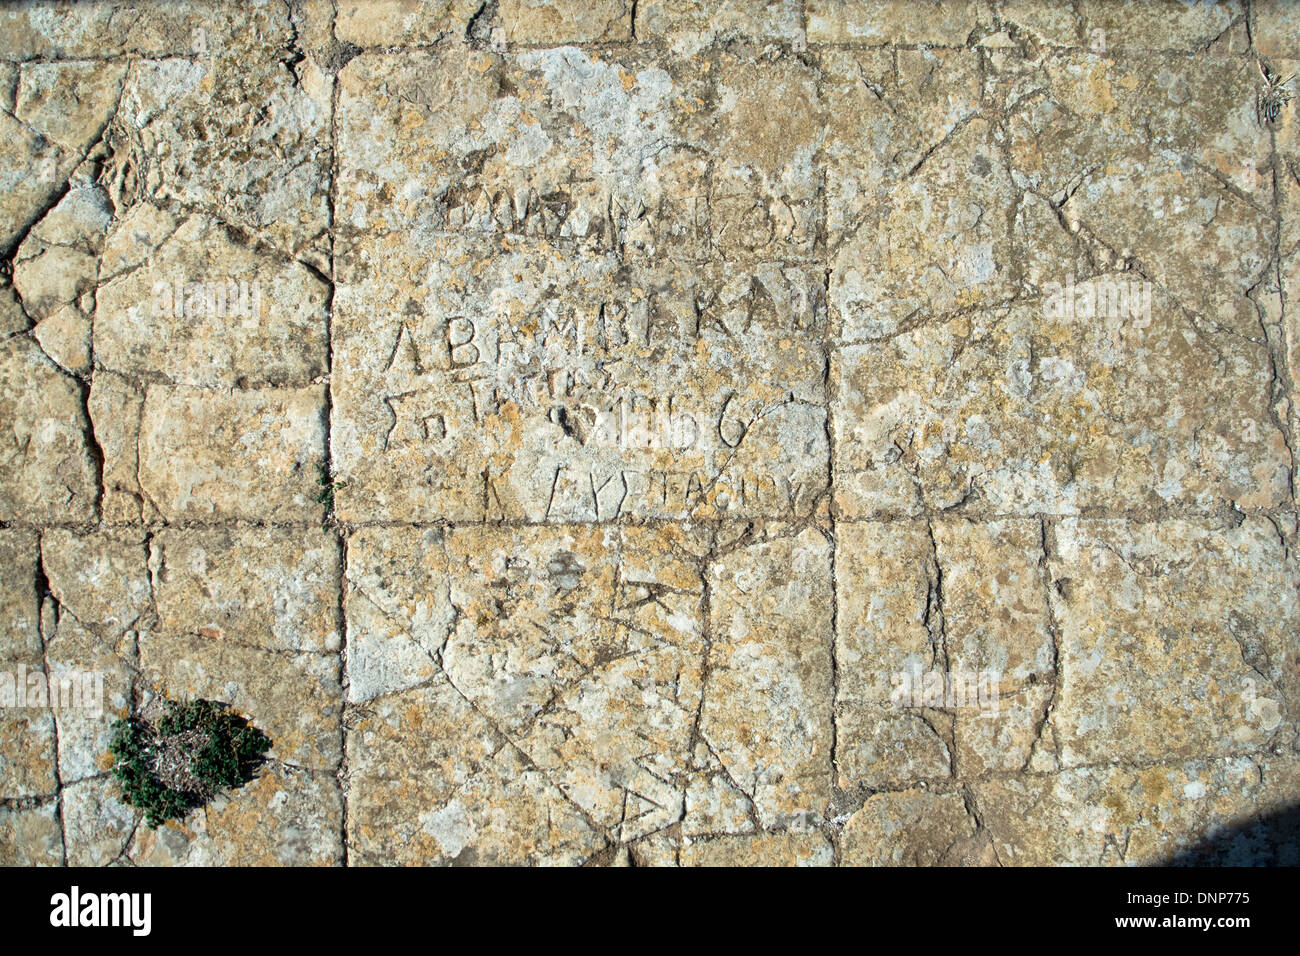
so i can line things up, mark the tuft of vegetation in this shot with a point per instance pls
(178, 762)
(1274, 98)
(326, 495)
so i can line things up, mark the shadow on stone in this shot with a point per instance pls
(1270, 840)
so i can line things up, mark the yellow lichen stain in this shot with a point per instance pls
(1102, 98)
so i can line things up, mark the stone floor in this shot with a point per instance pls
(657, 431)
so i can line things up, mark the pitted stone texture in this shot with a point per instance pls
(966, 601)
(56, 270)
(997, 624)
(889, 115)
(47, 472)
(90, 688)
(1108, 27)
(101, 579)
(1275, 28)
(551, 143)
(1145, 815)
(241, 136)
(30, 836)
(28, 757)
(880, 22)
(60, 111)
(910, 828)
(808, 848)
(294, 698)
(614, 152)
(206, 310)
(584, 649)
(767, 700)
(581, 646)
(12, 317)
(70, 29)
(431, 781)
(57, 266)
(20, 604)
(1142, 157)
(553, 22)
(1175, 640)
(641, 395)
(885, 577)
(27, 735)
(98, 825)
(99, 598)
(691, 25)
(1018, 411)
(383, 23)
(253, 454)
(115, 406)
(931, 248)
(285, 817)
(489, 378)
(262, 587)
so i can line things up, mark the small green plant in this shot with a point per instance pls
(328, 487)
(193, 750)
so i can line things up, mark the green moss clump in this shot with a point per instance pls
(194, 750)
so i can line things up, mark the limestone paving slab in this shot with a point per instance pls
(807, 432)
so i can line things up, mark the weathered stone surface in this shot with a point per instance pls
(92, 679)
(261, 587)
(285, 817)
(1107, 27)
(769, 849)
(98, 28)
(691, 25)
(1275, 28)
(655, 432)
(878, 22)
(245, 454)
(1141, 816)
(552, 22)
(27, 744)
(12, 317)
(295, 697)
(1011, 412)
(97, 824)
(382, 23)
(510, 381)
(579, 645)
(889, 117)
(911, 828)
(115, 406)
(432, 781)
(206, 310)
(237, 135)
(1176, 640)
(27, 738)
(464, 140)
(767, 701)
(885, 577)
(47, 472)
(30, 836)
(20, 605)
(59, 112)
(101, 579)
